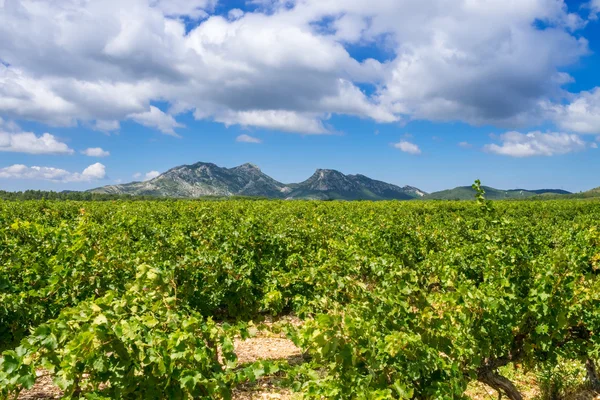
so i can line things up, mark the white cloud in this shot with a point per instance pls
(191, 8)
(285, 121)
(95, 152)
(408, 147)
(27, 142)
(18, 171)
(465, 145)
(155, 118)
(247, 139)
(235, 13)
(106, 126)
(536, 143)
(147, 176)
(94, 171)
(594, 9)
(151, 175)
(581, 115)
(285, 66)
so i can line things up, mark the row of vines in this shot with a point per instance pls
(398, 300)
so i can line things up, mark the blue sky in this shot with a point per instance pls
(432, 94)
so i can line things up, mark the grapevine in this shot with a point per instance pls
(144, 299)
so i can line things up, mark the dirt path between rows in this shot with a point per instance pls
(264, 346)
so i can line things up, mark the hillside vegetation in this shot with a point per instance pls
(468, 193)
(590, 194)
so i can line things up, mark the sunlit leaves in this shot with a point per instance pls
(399, 300)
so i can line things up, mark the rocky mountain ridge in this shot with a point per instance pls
(207, 179)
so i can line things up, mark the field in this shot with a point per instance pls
(355, 300)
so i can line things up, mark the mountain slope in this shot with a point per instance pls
(327, 184)
(548, 191)
(594, 192)
(206, 179)
(590, 194)
(467, 193)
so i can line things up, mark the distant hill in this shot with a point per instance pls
(594, 192)
(590, 194)
(467, 193)
(207, 179)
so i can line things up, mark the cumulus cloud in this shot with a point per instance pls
(235, 13)
(581, 115)
(94, 171)
(190, 8)
(106, 126)
(151, 175)
(155, 118)
(516, 144)
(407, 147)
(286, 66)
(96, 152)
(285, 121)
(465, 145)
(147, 176)
(594, 9)
(27, 142)
(247, 139)
(19, 171)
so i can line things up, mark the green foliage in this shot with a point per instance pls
(142, 344)
(74, 196)
(558, 380)
(399, 300)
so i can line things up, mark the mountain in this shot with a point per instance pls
(467, 193)
(328, 184)
(204, 179)
(207, 179)
(548, 191)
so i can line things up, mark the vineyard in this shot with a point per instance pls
(144, 300)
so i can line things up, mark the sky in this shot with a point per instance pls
(428, 93)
